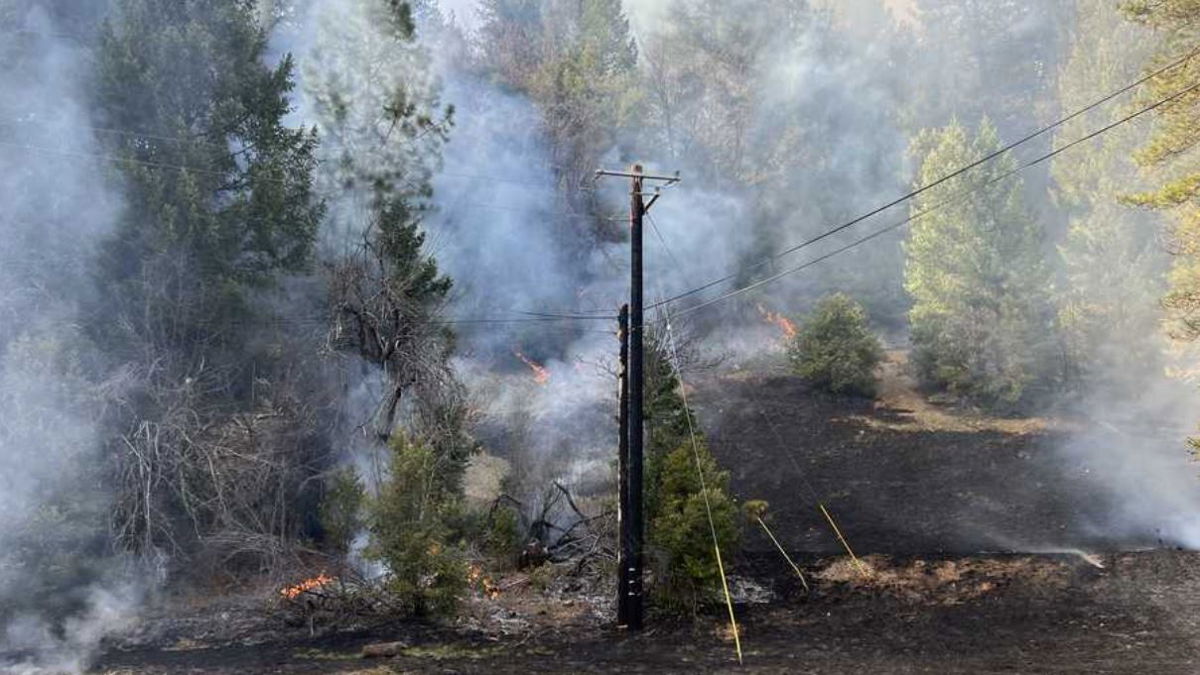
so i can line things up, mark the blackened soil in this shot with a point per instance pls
(897, 482)
(934, 503)
(1012, 614)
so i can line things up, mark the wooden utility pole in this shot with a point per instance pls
(625, 547)
(630, 604)
(637, 383)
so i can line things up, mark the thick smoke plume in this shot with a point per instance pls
(860, 77)
(61, 588)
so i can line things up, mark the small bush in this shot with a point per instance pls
(502, 538)
(687, 576)
(835, 350)
(408, 521)
(341, 510)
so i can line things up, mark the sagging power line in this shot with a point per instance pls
(912, 217)
(943, 179)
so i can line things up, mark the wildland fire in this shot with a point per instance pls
(580, 336)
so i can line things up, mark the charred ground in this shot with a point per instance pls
(947, 509)
(903, 475)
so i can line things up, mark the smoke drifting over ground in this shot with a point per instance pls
(1133, 449)
(514, 240)
(511, 242)
(60, 587)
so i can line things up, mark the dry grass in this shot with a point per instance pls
(898, 393)
(943, 581)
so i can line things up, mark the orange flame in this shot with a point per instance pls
(785, 324)
(540, 374)
(476, 577)
(293, 592)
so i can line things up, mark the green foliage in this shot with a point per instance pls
(729, 92)
(1008, 79)
(341, 510)
(541, 578)
(577, 61)
(1108, 308)
(835, 348)
(666, 418)
(755, 509)
(382, 131)
(1175, 25)
(681, 539)
(981, 322)
(56, 506)
(218, 192)
(678, 533)
(410, 535)
(503, 536)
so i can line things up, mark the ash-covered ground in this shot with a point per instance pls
(982, 550)
(902, 475)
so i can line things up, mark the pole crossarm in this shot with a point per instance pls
(669, 180)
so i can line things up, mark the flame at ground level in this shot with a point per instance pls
(541, 374)
(293, 592)
(785, 324)
(477, 578)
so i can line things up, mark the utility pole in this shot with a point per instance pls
(625, 547)
(637, 386)
(632, 528)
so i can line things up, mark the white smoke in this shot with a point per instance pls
(61, 590)
(511, 243)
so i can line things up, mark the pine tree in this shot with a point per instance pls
(218, 190)
(577, 61)
(835, 349)
(1114, 267)
(382, 127)
(218, 208)
(996, 57)
(678, 532)
(1169, 154)
(980, 322)
(764, 101)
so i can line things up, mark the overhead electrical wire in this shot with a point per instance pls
(804, 479)
(959, 197)
(949, 176)
(579, 316)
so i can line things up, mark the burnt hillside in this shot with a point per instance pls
(902, 475)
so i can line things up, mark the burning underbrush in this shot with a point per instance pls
(323, 602)
(786, 326)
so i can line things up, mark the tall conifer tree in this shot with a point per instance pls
(980, 319)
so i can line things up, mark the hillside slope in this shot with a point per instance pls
(902, 475)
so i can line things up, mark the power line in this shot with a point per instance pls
(196, 140)
(774, 430)
(527, 316)
(924, 188)
(179, 167)
(956, 198)
(453, 321)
